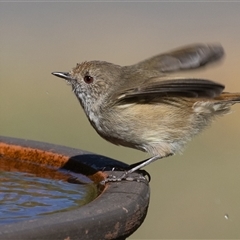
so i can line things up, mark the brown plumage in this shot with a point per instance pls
(142, 106)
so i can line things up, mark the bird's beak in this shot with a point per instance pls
(64, 75)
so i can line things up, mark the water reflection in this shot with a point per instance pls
(26, 195)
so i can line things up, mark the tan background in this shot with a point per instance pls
(190, 193)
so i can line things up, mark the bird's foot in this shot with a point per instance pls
(127, 177)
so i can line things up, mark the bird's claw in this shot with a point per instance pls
(124, 177)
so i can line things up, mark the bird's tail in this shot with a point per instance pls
(229, 97)
(218, 106)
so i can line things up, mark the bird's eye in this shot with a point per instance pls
(88, 79)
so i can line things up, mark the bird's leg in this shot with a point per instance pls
(134, 167)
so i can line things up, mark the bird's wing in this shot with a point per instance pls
(160, 87)
(185, 58)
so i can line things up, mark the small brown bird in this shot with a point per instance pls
(141, 107)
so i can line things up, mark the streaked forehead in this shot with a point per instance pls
(82, 67)
(90, 65)
(97, 69)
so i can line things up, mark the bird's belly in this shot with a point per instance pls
(150, 128)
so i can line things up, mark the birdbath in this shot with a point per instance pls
(112, 211)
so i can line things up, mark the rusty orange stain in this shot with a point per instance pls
(40, 157)
(33, 155)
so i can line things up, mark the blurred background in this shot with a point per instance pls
(193, 195)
